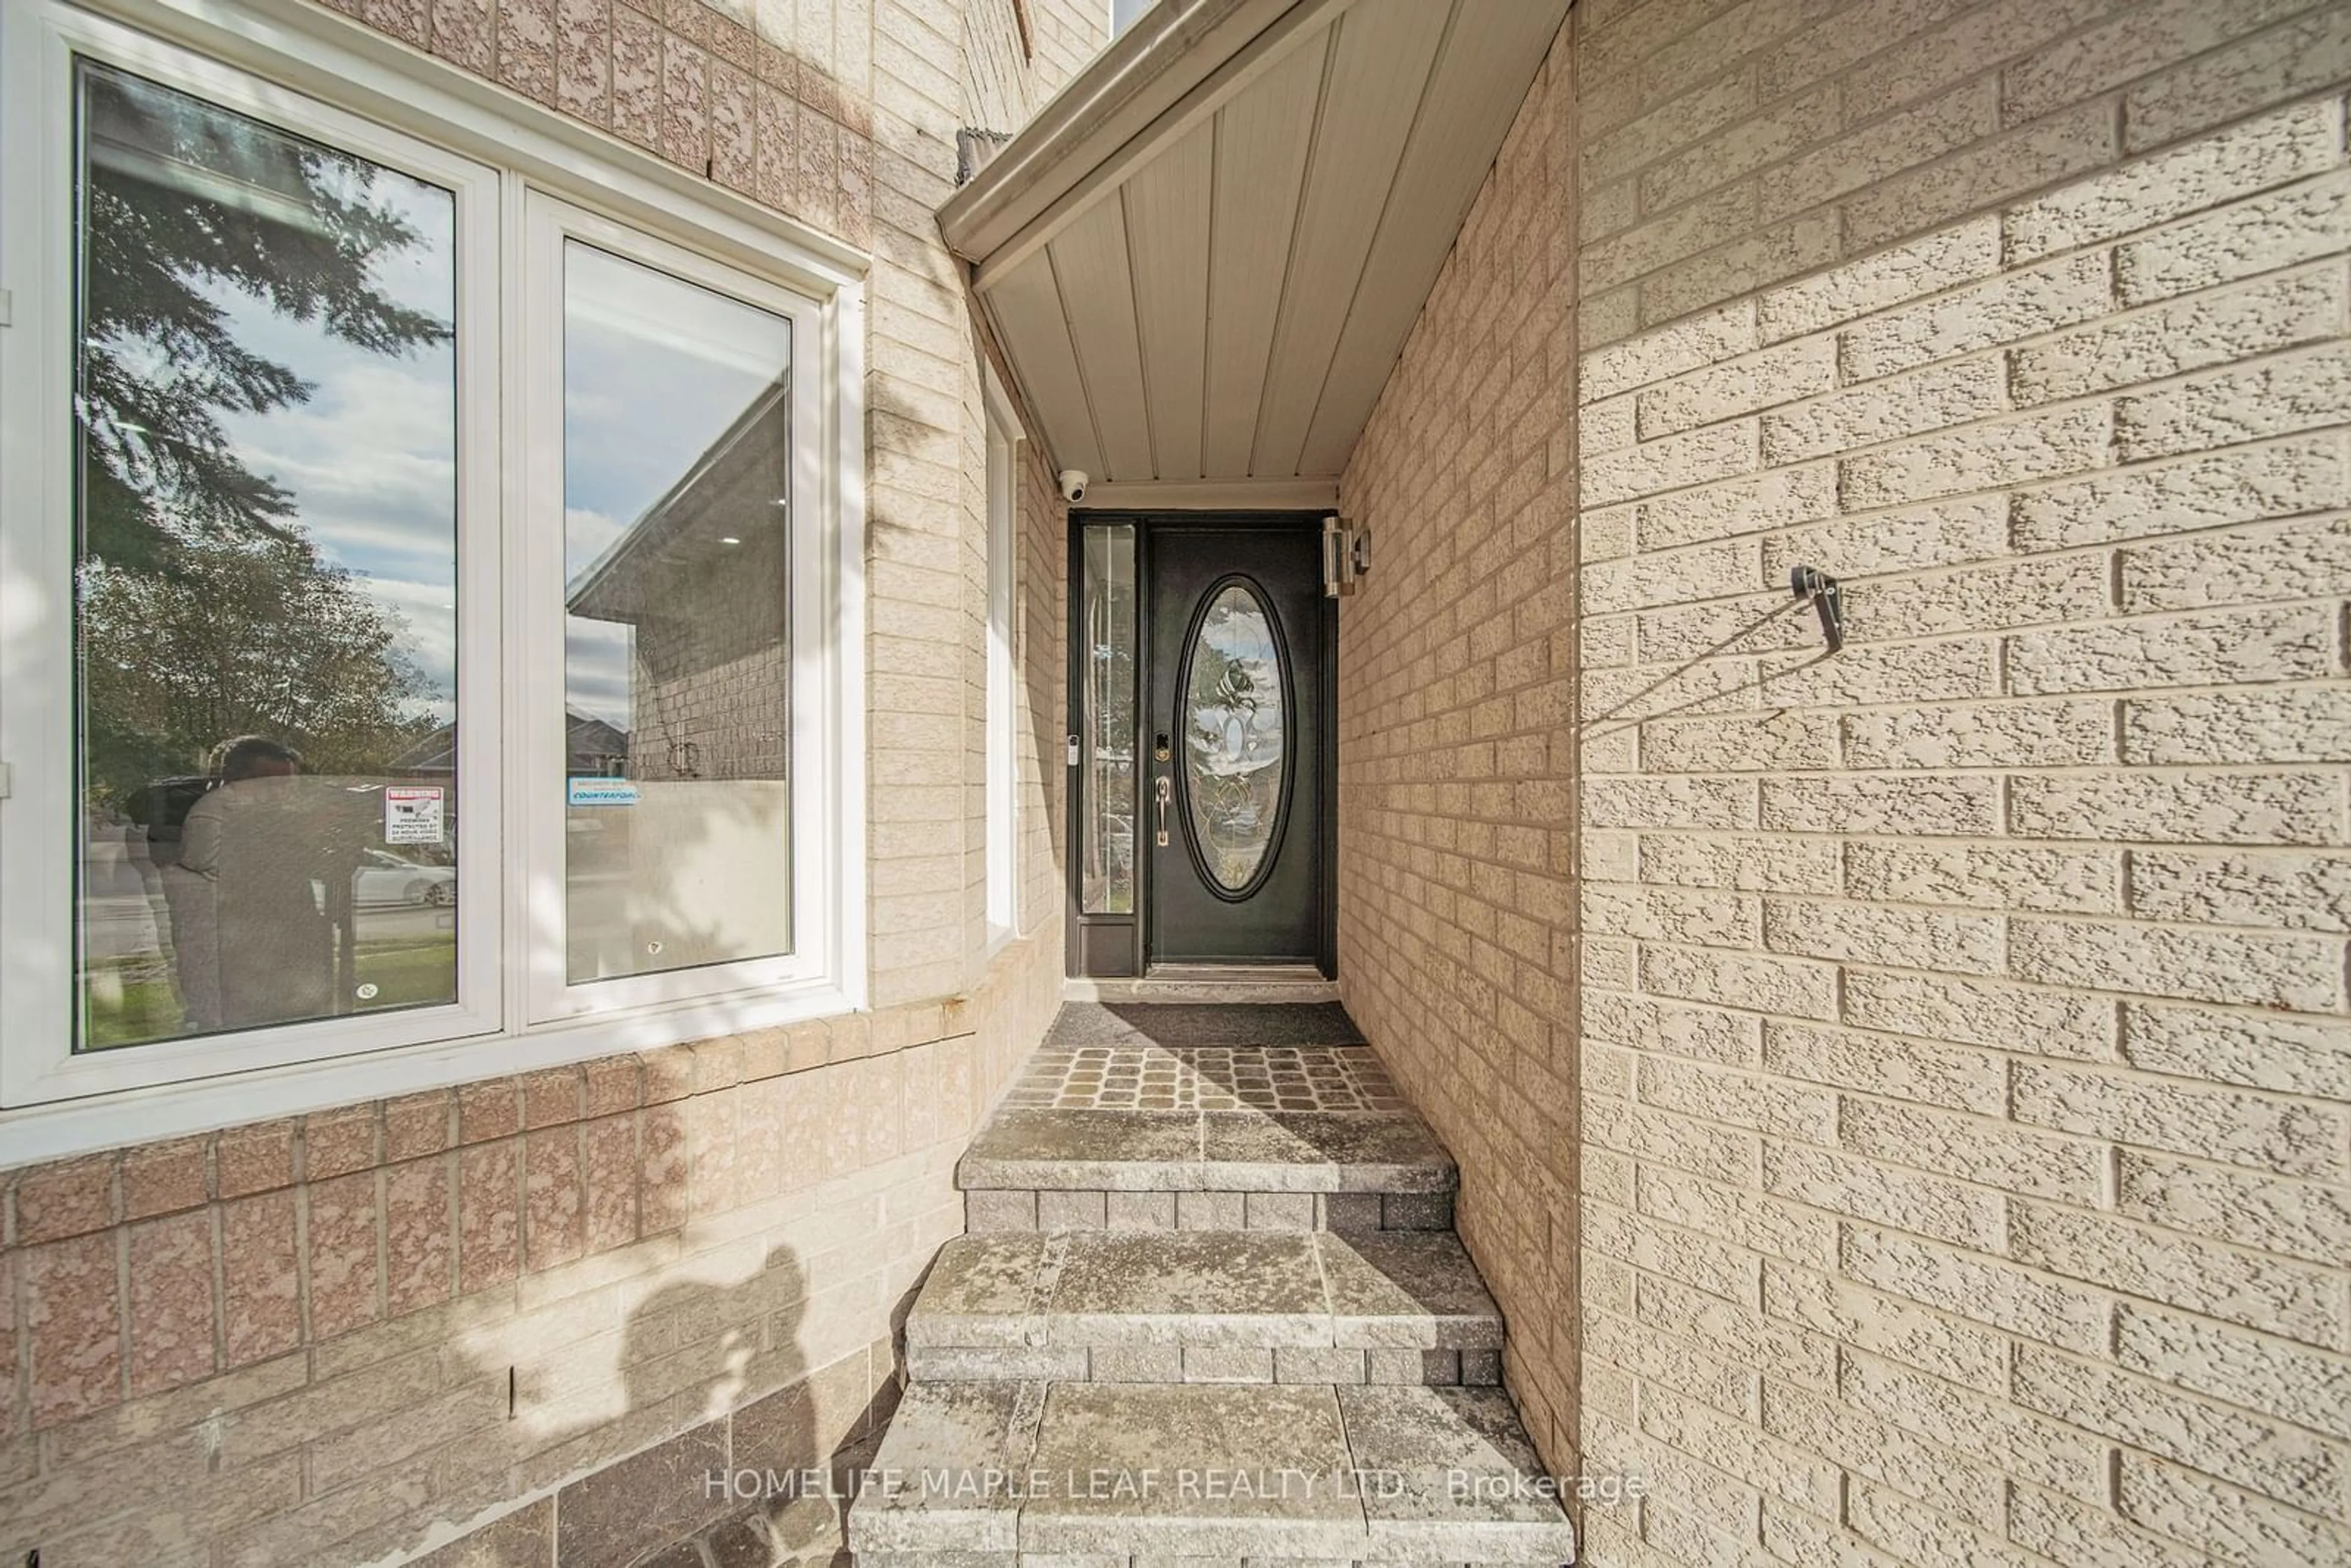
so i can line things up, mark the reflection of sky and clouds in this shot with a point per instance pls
(370, 459)
(654, 371)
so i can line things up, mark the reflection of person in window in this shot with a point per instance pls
(271, 949)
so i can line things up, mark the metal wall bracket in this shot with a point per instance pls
(1827, 596)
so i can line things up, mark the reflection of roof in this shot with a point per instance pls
(605, 589)
(582, 738)
(586, 736)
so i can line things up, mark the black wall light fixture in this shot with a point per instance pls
(1827, 596)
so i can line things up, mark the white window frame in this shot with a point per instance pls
(323, 75)
(1002, 715)
(548, 222)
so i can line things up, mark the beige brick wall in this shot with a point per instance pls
(1966, 1084)
(547, 1305)
(1457, 903)
(1960, 1069)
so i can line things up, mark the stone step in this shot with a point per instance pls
(1206, 1306)
(1328, 1154)
(988, 1475)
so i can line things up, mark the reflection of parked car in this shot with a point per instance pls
(385, 878)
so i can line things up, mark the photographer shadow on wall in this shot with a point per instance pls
(765, 1450)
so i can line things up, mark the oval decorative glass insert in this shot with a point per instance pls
(1235, 736)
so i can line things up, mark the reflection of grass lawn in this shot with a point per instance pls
(129, 1001)
(408, 974)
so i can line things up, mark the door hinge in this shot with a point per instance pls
(7, 309)
(7, 781)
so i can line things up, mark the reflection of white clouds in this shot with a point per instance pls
(655, 369)
(428, 612)
(370, 458)
(596, 670)
(586, 535)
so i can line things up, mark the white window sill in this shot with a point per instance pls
(120, 1118)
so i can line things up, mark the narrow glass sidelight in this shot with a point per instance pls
(1236, 738)
(1106, 744)
(677, 447)
(264, 573)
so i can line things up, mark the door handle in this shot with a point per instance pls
(1162, 790)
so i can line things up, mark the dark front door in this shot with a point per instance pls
(1235, 719)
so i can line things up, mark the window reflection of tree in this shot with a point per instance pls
(205, 608)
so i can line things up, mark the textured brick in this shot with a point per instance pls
(2251, 1371)
(2045, 857)
(2241, 160)
(1889, 278)
(1731, 388)
(1766, 864)
(1999, 310)
(2294, 392)
(2302, 973)
(2288, 1219)
(2026, 1446)
(2234, 808)
(2299, 1056)
(1983, 1012)
(2281, 64)
(2057, 880)
(1868, 1447)
(1888, 147)
(2217, 648)
(2292, 891)
(2241, 484)
(1761, 1103)
(2238, 1526)
(2288, 725)
(1900, 1200)
(1981, 457)
(2209, 329)
(1924, 400)
(1958, 1352)
(2063, 1531)
(1953, 1077)
(1992, 1154)
(1983, 174)
(2292, 561)
(1894, 805)
(1978, 1290)
(1880, 934)
(1796, 987)
(1686, 346)
(2246, 1129)
(2295, 1299)
(2282, 228)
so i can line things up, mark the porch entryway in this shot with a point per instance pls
(1211, 1306)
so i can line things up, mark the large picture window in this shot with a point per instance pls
(264, 573)
(426, 600)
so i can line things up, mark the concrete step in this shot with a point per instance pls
(1206, 1306)
(1095, 1153)
(993, 1475)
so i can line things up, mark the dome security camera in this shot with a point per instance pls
(1073, 484)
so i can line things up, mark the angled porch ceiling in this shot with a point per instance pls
(1202, 259)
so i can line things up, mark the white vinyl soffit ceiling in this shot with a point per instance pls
(1203, 257)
